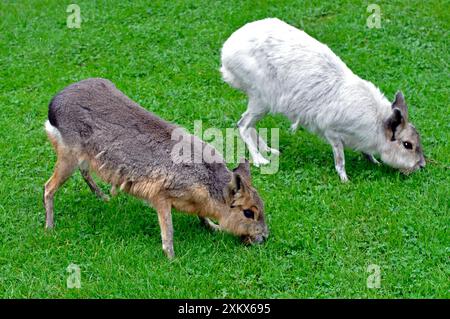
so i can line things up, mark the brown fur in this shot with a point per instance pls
(96, 128)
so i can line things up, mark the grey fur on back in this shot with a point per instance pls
(94, 116)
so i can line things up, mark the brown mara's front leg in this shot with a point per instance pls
(208, 223)
(164, 209)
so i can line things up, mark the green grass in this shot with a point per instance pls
(165, 56)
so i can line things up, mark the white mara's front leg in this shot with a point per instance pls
(339, 157)
(371, 158)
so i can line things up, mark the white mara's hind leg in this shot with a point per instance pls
(248, 133)
(263, 146)
(255, 111)
(339, 157)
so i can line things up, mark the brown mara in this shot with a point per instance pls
(95, 127)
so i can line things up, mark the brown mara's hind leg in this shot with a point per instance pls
(66, 164)
(64, 168)
(91, 183)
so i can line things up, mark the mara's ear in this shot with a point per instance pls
(397, 121)
(243, 169)
(240, 179)
(236, 184)
(394, 123)
(400, 103)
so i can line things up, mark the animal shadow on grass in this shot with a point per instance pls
(122, 218)
(305, 152)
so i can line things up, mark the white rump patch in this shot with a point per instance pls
(53, 131)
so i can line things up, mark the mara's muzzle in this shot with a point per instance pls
(257, 239)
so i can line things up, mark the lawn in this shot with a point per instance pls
(165, 55)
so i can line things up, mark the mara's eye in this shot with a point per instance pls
(249, 213)
(407, 145)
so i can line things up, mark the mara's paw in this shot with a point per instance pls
(168, 251)
(274, 151)
(206, 222)
(371, 158)
(259, 160)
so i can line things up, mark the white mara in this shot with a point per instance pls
(283, 70)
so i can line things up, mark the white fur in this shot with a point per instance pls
(53, 131)
(284, 70)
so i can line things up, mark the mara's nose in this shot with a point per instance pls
(259, 239)
(422, 163)
(264, 236)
